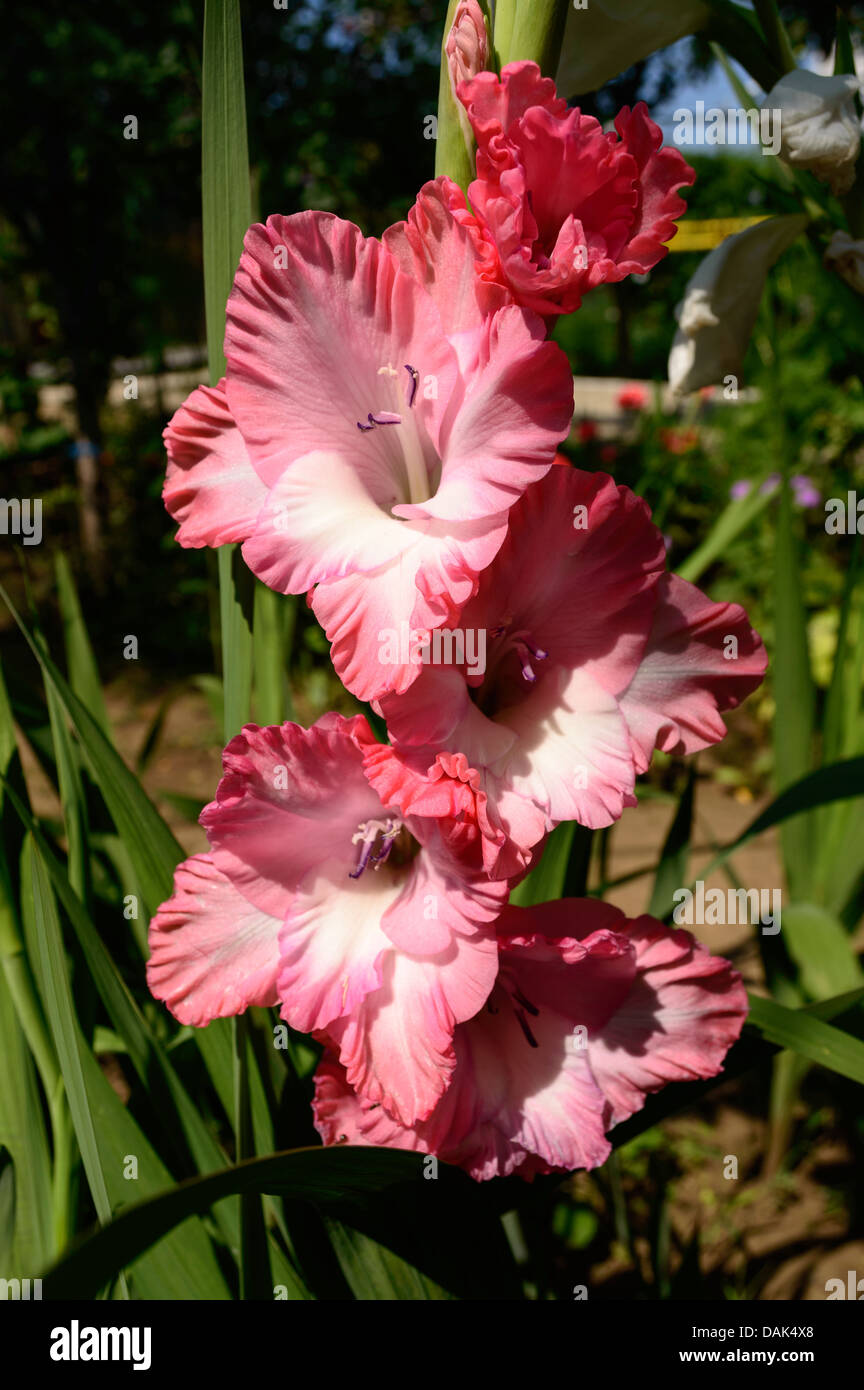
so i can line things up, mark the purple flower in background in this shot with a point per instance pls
(806, 492)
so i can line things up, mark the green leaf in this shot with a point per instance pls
(80, 661)
(236, 600)
(793, 693)
(226, 214)
(822, 950)
(675, 854)
(72, 798)
(64, 1028)
(22, 1133)
(272, 631)
(376, 1274)
(152, 847)
(563, 868)
(809, 1036)
(226, 199)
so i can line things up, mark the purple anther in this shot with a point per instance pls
(523, 1024)
(384, 417)
(363, 427)
(415, 378)
(537, 652)
(388, 840)
(528, 672)
(526, 1003)
(367, 836)
(365, 855)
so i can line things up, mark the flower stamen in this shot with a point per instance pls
(367, 835)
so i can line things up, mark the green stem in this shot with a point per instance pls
(505, 18)
(255, 1275)
(538, 33)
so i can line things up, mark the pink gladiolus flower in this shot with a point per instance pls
(373, 924)
(568, 207)
(594, 658)
(384, 406)
(590, 1013)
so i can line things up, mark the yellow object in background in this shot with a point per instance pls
(705, 234)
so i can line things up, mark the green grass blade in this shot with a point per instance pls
(60, 1010)
(80, 661)
(272, 634)
(236, 601)
(804, 1032)
(827, 784)
(151, 845)
(563, 868)
(376, 1274)
(793, 694)
(809, 1036)
(72, 799)
(22, 1134)
(226, 215)
(675, 854)
(822, 950)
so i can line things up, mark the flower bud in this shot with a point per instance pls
(819, 127)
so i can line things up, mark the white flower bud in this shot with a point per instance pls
(819, 127)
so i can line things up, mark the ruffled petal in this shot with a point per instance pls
(701, 657)
(289, 802)
(212, 953)
(677, 1023)
(318, 317)
(211, 488)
